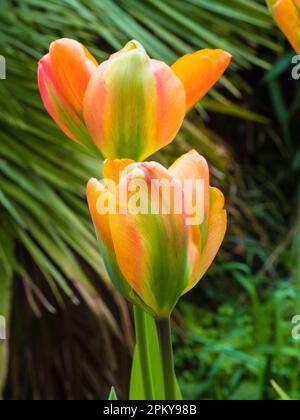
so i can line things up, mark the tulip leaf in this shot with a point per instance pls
(112, 395)
(136, 387)
(282, 394)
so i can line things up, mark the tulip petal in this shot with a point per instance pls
(63, 75)
(217, 224)
(133, 106)
(72, 67)
(192, 166)
(112, 169)
(151, 249)
(200, 71)
(170, 109)
(101, 222)
(287, 14)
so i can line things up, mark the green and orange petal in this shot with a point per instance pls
(192, 166)
(217, 224)
(133, 105)
(101, 222)
(152, 249)
(63, 76)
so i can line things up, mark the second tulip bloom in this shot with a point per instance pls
(129, 106)
(154, 258)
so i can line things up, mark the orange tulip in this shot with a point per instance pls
(129, 106)
(287, 15)
(154, 257)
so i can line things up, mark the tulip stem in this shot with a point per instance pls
(166, 353)
(143, 351)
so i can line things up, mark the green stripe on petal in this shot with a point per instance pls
(151, 249)
(130, 106)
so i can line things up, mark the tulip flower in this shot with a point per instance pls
(129, 106)
(155, 256)
(287, 15)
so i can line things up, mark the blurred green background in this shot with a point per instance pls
(70, 333)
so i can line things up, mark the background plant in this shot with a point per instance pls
(234, 333)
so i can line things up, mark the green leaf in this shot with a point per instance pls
(112, 395)
(282, 394)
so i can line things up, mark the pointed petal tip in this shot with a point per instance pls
(93, 186)
(92, 182)
(63, 42)
(228, 55)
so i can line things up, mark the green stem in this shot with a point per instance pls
(166, 353)
(142, 343)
